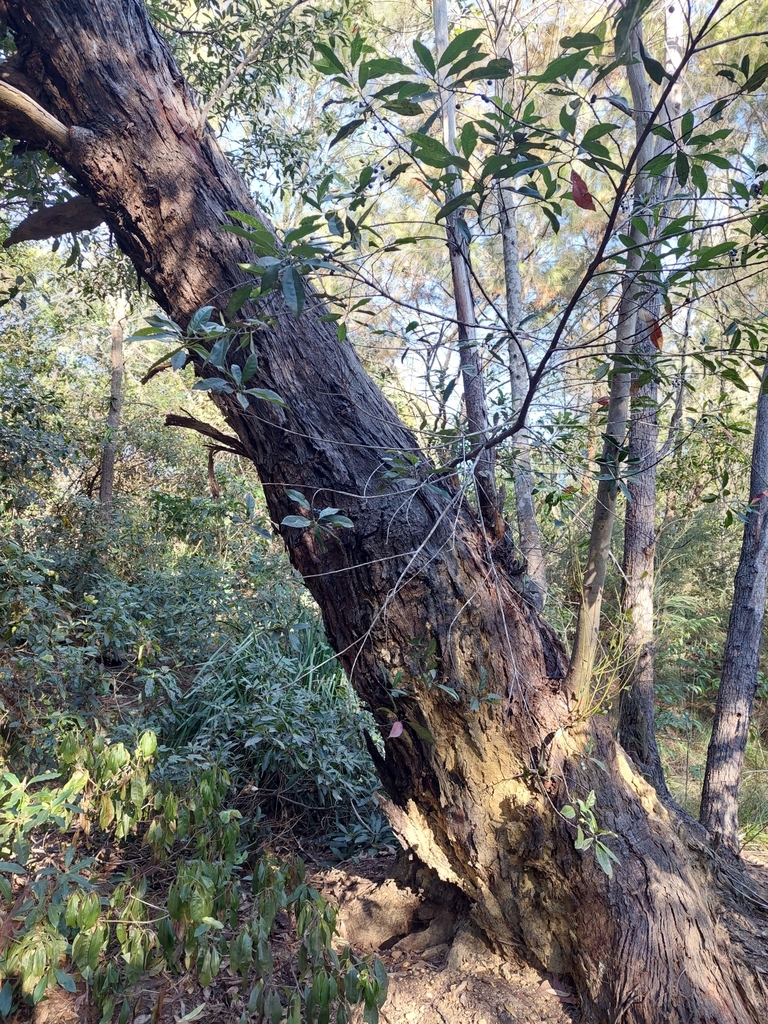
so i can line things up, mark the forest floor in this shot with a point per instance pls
(440, 969)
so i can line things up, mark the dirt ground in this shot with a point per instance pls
(440, 969)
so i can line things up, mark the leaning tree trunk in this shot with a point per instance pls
(408, 592)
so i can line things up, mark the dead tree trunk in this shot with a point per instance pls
(409, 590)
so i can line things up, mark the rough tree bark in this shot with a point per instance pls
(741, 658)
(410, 588)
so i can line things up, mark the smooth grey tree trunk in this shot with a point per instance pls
(470, 355)
(741, 658)
(528, 531)
(637, 707)
(107, 479)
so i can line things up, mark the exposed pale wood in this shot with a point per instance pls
(33, 115)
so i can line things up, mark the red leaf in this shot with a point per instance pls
(759, 497)
(395, 731)
(581, 194)
(605, 400)
(656, 336)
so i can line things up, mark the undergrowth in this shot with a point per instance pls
(171, 711)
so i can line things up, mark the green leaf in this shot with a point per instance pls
(686, 125)
(663, 132)
(239, 298)
(345, 130)
(717, 109)
(380, 66)
(757, 78)
(628, 15)
(433, 153)
(423, 732)
(601, 852)
(568, 120)
(457, 203)
(658, 164)
(552, 218)
(406, 108)
(330, 57)
(249, 368)
(215, 384)
(562, 67)
(356, 48)
(39, 990)
(682, 167)
(728, 373)
(307, 226)
(597, 131)
(335, 224)
(468, 139)
(581, 41)
(299, 522)
(293, 290)
(458, 45)
(337, 520)
(494, 70)
(716, 159)
(568, 812)
(6, 999)
(147, 743)
(66, 981)
(267, 395)
(12, 867)
(425, 57)
(656, 71)
(620, 103)
(260, 237)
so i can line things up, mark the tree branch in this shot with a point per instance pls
(78, 214)
(31, 118)
(248, 59)
(189, 422)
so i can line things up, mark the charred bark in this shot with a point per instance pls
(410, 591)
